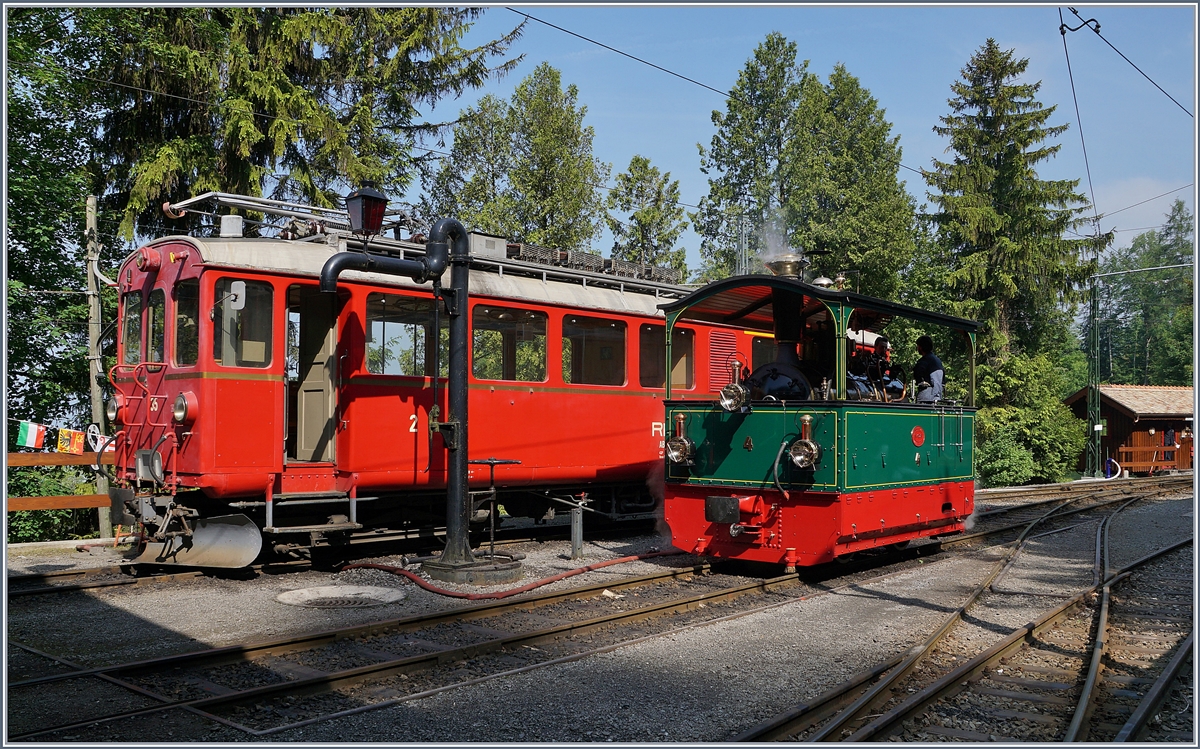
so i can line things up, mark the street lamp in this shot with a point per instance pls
(366, 206)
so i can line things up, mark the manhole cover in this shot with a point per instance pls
(340, 596)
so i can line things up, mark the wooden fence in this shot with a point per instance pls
(1156, 458)
(62, 502)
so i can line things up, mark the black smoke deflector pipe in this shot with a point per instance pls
(448, 244)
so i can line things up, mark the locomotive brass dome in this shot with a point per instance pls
(788, 264)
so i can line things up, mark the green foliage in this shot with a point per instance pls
(1003, 460)
(1146, 318)
(1025, 415)
(524, 169)
(303, 100)
(1011, 266)
(817, 158)
(654, 217)
(26, 526)
(47, 187)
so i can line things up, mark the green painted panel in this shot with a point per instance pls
(880, 450)
(736, 449)
(864, 447)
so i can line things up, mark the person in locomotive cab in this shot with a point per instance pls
(928, 373)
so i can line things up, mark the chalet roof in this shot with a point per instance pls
(1144, 401)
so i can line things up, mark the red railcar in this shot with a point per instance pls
(249, 402)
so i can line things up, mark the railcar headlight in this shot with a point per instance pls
(186, 408)
(734, 396)
(113, 409)
(680, 449)
(805, 453)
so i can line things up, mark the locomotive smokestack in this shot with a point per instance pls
(788, 309)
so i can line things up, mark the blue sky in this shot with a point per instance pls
(1139, 143)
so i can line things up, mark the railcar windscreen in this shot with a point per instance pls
(131, 329)
(157, 326)
(187, 322)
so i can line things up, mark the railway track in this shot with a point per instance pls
(1055, 505)
(265, 688)
(274, 686)
(271, 687)
(1093, 668)
(128, 574)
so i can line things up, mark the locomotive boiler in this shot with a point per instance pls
(807, 457)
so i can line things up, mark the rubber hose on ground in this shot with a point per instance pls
(505, 593)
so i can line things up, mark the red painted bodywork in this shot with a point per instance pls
(815, 527)
(563, 434)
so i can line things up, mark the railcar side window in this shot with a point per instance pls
(508, 344)
(242, 337)
(762, 351)
(652, 357)
(593, 351)
(398, 332)
(131, 328)
(156, 323)
(187, 322)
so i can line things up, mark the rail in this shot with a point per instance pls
(58, 502)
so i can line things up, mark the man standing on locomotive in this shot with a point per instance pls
(928, 373)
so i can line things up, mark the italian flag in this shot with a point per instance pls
(30, 434)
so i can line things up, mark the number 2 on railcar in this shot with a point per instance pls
(802, 459)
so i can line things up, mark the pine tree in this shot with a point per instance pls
(1146, 318)
(749, 158)
(1012, 266)
(817, 160)
(295, 102)
(524, 169)
(848, 200)
(652, 217)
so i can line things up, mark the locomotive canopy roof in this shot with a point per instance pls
(745, 301)
(508, 279)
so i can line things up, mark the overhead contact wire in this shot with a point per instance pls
(1096, 29)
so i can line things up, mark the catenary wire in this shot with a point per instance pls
(1096, 29)
(1062, 29)
(580, 36)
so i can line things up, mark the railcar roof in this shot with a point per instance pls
(494, 277)
(745, 301)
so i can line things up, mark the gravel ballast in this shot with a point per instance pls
(705, 683)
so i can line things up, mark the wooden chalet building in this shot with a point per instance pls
(1143, 424)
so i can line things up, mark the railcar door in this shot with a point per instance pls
(312, 369)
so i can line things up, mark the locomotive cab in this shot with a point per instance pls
(817, 447)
